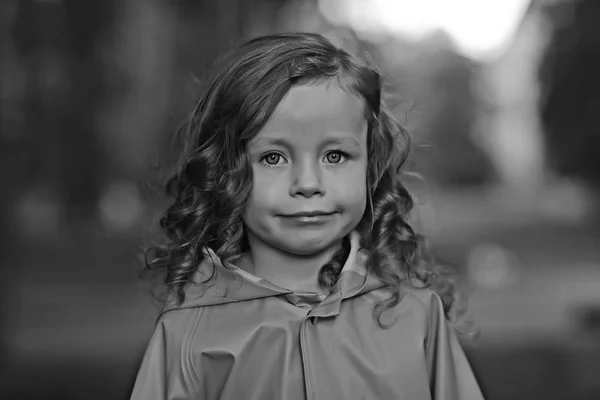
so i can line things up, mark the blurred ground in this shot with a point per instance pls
(84, 339)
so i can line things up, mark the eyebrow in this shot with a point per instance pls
(283, 142)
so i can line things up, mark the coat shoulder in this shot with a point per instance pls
(178, 322)
(424, 298)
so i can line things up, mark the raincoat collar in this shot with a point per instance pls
(233, 284)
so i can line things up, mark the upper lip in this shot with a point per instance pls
(309, 214)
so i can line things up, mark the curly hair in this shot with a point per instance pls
(212, 179)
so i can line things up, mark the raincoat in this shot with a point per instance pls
(260, 341)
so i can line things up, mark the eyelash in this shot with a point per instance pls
(345, 155)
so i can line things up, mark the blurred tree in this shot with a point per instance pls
(571, 81)
(432, 84)
(508, 88)
(455, 158)
(82, 162)
(11, 117)
(56, 45)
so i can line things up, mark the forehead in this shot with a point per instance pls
(317, 110)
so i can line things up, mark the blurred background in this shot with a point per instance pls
(501, 98)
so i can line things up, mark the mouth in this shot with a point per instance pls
(309, 214)
(309, 218)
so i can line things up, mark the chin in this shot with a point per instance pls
(305, 249)
(306, 246)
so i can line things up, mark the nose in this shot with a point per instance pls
(307, 180)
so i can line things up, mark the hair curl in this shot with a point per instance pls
(212, 179)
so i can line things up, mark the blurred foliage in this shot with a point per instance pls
(92, 93)
(571, 80)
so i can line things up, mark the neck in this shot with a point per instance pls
(290, 271)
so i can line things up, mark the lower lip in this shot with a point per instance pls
(316, 219)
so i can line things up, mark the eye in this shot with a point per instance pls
(271, 159)
(336, 157)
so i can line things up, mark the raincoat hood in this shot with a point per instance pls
(234, 284)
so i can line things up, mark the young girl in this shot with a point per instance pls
(292, 270)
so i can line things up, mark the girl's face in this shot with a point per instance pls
(310, 170)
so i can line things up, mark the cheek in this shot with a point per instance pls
(266, 193)
(354, 198)
(350, 190)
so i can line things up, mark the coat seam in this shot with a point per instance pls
(430, 321)
(427, 312)
(191, 370)
(307, 378)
